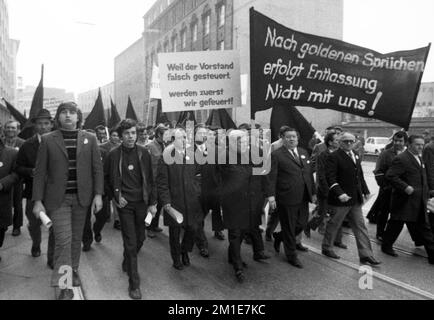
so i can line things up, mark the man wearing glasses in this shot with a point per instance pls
(347, 192)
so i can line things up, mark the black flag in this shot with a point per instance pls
(114, 119)
(221, 118)
(16, 114)
(184, 117)
(161, 116)
(96, 116)
(131, 114)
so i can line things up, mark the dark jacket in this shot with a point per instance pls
(7, 178)
(113, 175)
(289, 180)
(105, 148)
(51, 171)
(155, 149)
(178, 186)
(321, 179)
(405, 171)
(428, 158)
(383, 164)
(345, 176)
(26, 162)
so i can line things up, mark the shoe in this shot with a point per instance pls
(36, 251)
(239, 274)
(277, 241)
(135, 294)
(76, 282)
(300, 247)
(157, 230)
(66, 294)
(178, 265)
(124, 265)
(98, 237)
(86, 247)
(16, 232)
(151, 234)
(248, 240)
(185, 259)
(50, 265)
(260, 256)
(340, 245)
(296, 263)
(268, 236)
(117, 225)
(204, 253)
(369, 260)
(330, 254)
(389, 251)
(346, 224)
(307, 232)
(219, 235)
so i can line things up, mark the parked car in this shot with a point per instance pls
(375, 145)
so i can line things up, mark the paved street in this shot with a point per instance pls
(407, 277)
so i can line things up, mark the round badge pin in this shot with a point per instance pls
(1, 164)
(130, 167)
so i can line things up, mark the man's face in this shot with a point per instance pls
(151, 134)
(290, 140)
(129, 137)
(416, 147)
(114, 137)
(347, 142)
(68, 119)
(11, 130)
(180, 140)
(43, 126)
(101, 134)
(398, 143)
(334, 144)
(142, 136)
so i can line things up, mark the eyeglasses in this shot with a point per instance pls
(348, 141)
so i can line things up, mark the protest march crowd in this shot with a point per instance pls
(70, 175)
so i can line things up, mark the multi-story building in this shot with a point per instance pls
(200, 25)
(8, 55)
(425, 101)
(52, 98)
(86, 100)
(130, 79)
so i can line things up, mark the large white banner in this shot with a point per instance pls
(199, 80)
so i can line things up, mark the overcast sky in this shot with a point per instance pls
(77, 40)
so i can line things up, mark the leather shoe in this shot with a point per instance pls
(369, 260)
(330, 254)
(117, 225)
(307, 231)
(135, 294)
(204, 253)
(86, 247)
(124, 265)
(50, 265)
(240, 276)
(178, 265)
(76, 282)
(151, 234)
(36, 251)
(340, 245)
(260, 256)
(389, 251)
(66, 294)
(268, 236)
(219, 235)
(277, 241)
(98, 237)
(16, 232)
(185, 259)
(242, 263)
(157, 229)
(248, 240)
(296, 263)
(300, 247)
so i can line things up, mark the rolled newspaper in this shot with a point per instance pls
(45, 220)
(175, 214)
(148, 219)
(430, 205)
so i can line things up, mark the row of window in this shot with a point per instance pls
(424, 104)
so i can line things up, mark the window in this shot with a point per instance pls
(174, 44)
(194, 32)
(183, 39)
(221, 16)
(221, 45)
(207, 24)
(166, 46)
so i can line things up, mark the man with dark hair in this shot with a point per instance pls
(12, 128)
(292, 188)
(129, 180)
(155, 149)
(385, 191)
(25, 167)
(407, 176)
(150, 132)
(101, 134)
(142, 134)
(68, 179)
(347, 192)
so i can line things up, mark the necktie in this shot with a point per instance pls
(352, 156)
(420, 161)
(297, 159)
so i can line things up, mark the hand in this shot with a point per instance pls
(314, 198)
(344, 198)
(366, 197)
(272, 202)
(37, 208)
(409, 190)
(96, 204)
(152, 210)
(122, 202)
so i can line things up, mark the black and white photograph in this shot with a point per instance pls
(216, 155)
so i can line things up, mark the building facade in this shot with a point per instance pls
(86, 100)
(130, 79)
(201, 25)
(425, 101)
(8, 56)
